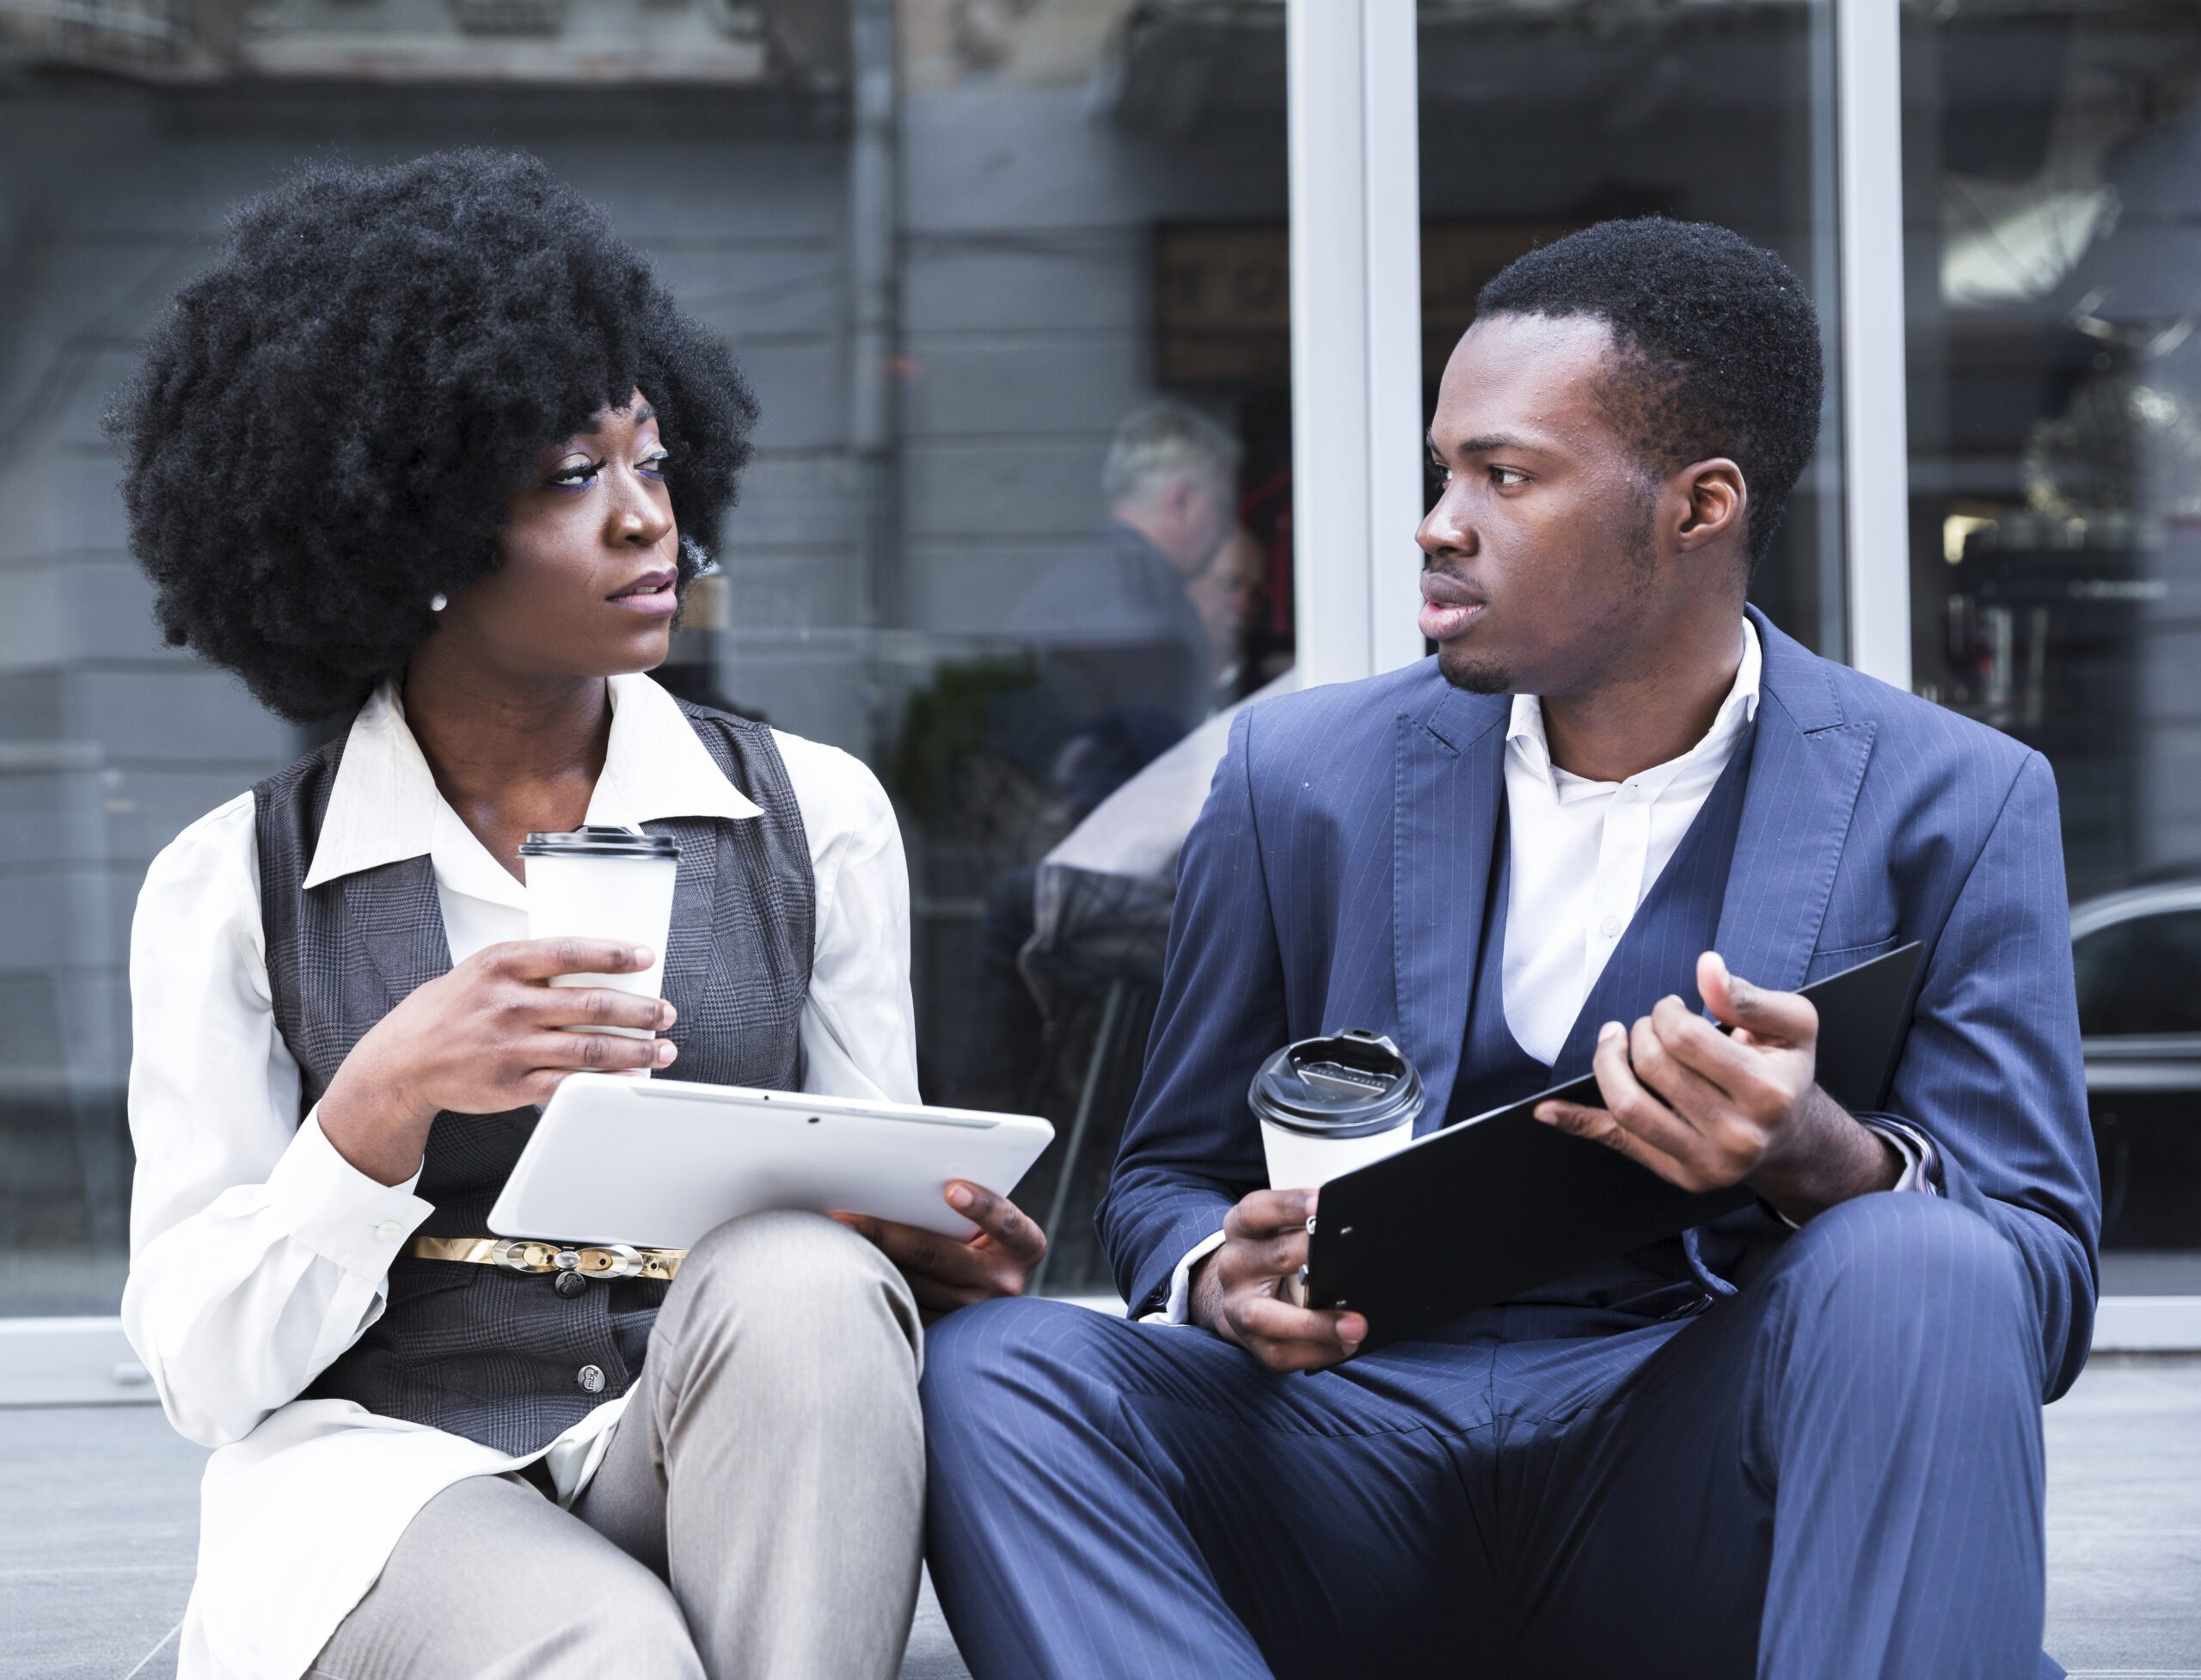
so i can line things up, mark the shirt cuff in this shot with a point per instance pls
(336, 1210)
(1177, 1308)
(1917, 1149)
(1919, 1164)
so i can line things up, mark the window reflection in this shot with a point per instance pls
(1537, 121)
(2140, 975)
(2052, 164)
(951, 307)
(1095, 543)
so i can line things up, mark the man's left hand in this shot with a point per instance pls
(944, 1273)
(1705, 1109)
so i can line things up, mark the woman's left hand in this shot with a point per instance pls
(945, 1274)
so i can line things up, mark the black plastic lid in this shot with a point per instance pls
(1350, 1085)
(599, 840)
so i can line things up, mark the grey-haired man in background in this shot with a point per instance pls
(1125, 667)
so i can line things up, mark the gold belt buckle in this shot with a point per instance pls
(517, 1253)
(611, 1260)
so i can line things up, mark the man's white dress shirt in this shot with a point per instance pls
(259, 1253)
(1582, 856)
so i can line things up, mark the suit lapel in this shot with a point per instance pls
(1449, 786)
(1807, 767)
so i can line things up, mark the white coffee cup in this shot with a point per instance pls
(1329, 1105)
(613, 884)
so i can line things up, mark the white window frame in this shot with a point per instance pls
(1875, 439)
(1356, 334)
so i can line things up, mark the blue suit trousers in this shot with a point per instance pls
(1837, 1472)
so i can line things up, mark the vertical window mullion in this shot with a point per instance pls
(1875, 477)
(1356, 333)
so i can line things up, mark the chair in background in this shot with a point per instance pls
(1094, 963)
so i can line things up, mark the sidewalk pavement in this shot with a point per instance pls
(95, 1557)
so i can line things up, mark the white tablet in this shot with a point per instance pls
(659, 1163)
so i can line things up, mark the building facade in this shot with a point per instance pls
(955, 243)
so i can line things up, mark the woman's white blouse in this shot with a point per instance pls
(259, 1254)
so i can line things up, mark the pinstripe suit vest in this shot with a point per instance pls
(1678, 918)
(493, 1355)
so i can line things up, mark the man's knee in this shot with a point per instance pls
(988, 1361)
(1901, 1258)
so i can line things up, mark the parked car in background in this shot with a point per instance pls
(2138, 956)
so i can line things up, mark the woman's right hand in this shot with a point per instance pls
(490, 1035)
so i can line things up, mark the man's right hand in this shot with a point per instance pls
(491, 1034)
(1234, 1290)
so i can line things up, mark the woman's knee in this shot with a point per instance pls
(557, 1600)
(796, 1275)
(783, 1245)
(632, 1626)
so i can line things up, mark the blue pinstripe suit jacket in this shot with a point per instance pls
(1336, 876)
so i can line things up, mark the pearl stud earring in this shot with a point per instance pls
(438, 601)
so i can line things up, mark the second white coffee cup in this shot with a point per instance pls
(600, 882)
(1328, 1104)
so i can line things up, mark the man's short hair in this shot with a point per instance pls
(1166, 439)
(1719, 348)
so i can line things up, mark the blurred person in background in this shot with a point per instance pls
(1128, 653)
(1122, 654)
(1229, 594)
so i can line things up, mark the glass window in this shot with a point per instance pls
(2053, 177)
(1018, 517)
(1537, 121)
(2141, 976)
(112, 194)
(1092, 554)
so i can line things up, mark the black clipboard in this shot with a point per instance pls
(1501, 1204)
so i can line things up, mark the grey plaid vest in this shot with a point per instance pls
(493, 1355)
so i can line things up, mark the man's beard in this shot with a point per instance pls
(1473, 675)
(1465, 672)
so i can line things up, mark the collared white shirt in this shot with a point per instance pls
(259, 1253)
(1581, 858)
(1583, 855)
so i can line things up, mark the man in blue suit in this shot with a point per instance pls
(1803, 1440)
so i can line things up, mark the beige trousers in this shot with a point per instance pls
(759, 1515)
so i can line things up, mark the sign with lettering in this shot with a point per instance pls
(1222, 295)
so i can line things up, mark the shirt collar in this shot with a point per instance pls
(385, 807)
(1525, 738)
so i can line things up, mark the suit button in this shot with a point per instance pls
(591, 1378)
(569, 1284)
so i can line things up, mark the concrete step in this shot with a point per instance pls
(95, 1558)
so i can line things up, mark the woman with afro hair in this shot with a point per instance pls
(430, 450)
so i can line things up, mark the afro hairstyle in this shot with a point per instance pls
(325, 425)
(1719, 347)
